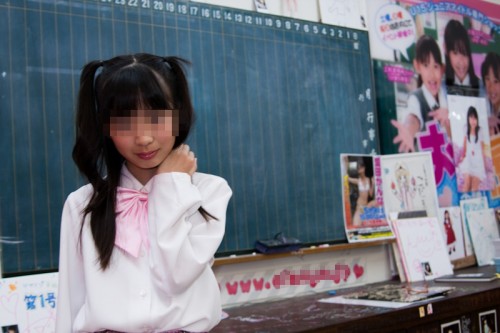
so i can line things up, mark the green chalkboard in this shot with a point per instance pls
(277, 100)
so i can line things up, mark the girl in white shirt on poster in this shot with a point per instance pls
(428, 102)
(138, 241)
(472, 160)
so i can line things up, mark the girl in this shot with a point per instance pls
(490, 72)
(450, 233)
(365, 192)
(428, 102)
(460, 76)
(472, 159)
(137, 243)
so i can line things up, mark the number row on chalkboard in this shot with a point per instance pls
(227, 14)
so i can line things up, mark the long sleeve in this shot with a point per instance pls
(71, 291)
(170, 285)
(183, 243)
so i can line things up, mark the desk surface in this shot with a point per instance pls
(306, 314)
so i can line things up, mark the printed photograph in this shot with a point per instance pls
(261, 6)
(488, 322)
(453, 232)
(451, 327)
(364, 215)
(471, 144)
(10, 329)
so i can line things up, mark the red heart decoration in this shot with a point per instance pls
(358, 270)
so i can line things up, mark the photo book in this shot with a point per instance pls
(364, 215)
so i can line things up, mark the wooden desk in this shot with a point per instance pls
(306, 314)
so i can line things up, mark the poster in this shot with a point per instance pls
(28, 303)
(423, 52)
(471, 144)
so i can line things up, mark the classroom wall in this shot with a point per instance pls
(329, 11)
(259, 280)
(300, 274)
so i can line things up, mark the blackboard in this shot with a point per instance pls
(277, 100)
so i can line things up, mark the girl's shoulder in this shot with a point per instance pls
(81, 195)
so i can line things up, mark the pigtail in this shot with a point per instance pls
(183, 99)
(89, 130)
(180, 92)
(88, 153)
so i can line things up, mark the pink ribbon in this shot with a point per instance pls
(131, 220)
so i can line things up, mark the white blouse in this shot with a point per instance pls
(170, 286)
(414, 104)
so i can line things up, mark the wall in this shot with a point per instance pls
(298, 274)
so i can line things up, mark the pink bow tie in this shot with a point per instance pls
(131, 220)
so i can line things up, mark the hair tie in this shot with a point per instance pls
(167, 62)
(97, 72)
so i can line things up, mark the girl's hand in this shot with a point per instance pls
(181, 159)
(441, 115)
(404, 138)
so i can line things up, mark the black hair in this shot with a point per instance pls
(456, 39)
(472, 112)
(108, 88)
(492, 60)
(425, 48)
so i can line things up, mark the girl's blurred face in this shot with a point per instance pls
(460, 64)
(472, 122)
(431, 73)
(492, 88)
(361, 169)
(144, 139)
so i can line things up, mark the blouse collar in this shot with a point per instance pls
(128, 180)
